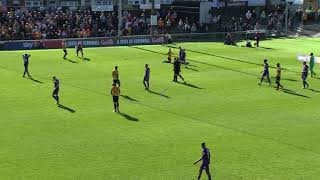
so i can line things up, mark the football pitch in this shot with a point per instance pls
(252, 131)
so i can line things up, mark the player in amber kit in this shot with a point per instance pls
(170, 53)
(115, 92)
(115, 76)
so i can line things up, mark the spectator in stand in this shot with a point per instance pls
(180, 25)
(49, 24)
(160, 25)
(194, 28)
(254, 15)
(186, 20)
(263, 17)
(228, 40)
(186, 28)
(248, 16)
(304, 17)
(168, 24)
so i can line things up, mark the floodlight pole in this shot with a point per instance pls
(119, 17)
(286, 18)
(152, 14)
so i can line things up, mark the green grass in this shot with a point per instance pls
(253, 132)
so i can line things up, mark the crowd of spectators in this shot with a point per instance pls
(24, 24)
(251, 20)
(48, 24)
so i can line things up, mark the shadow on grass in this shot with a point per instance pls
(288, 91)
(159, 94)
(129, 98)
(230, 58)
(284, 79)
(67, 108)
(143, 49)
(225, 68)
(313, 90)
(191, 65)
(71, 60)
(223, 57)
(189, 85)
(35, 80)
(269, 48)
(85, 59)
(128, 117)
(199, 62)
(192, 69)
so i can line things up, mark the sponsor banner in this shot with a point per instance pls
(89, 42)
(254, 31)
(71, 43)
(102, 8)
(256, 2)
(298, 2)
(106, 42)
(51, 44)
(237, 3)
(22, 45)
(149, 6)
(132, 41)
(157, 39)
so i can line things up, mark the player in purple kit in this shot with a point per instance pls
(146, 77)
(55, 93)
(304, 75)
(205, 161)
(265, 72)
(180, 54)
(177, 70)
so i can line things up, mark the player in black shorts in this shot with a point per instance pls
(26, 65)
(205, 158)
(64, 48)
(79, 48)
(115, 92)
(55, 93)
(265, 72)
(177, 70)
(304, 75)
